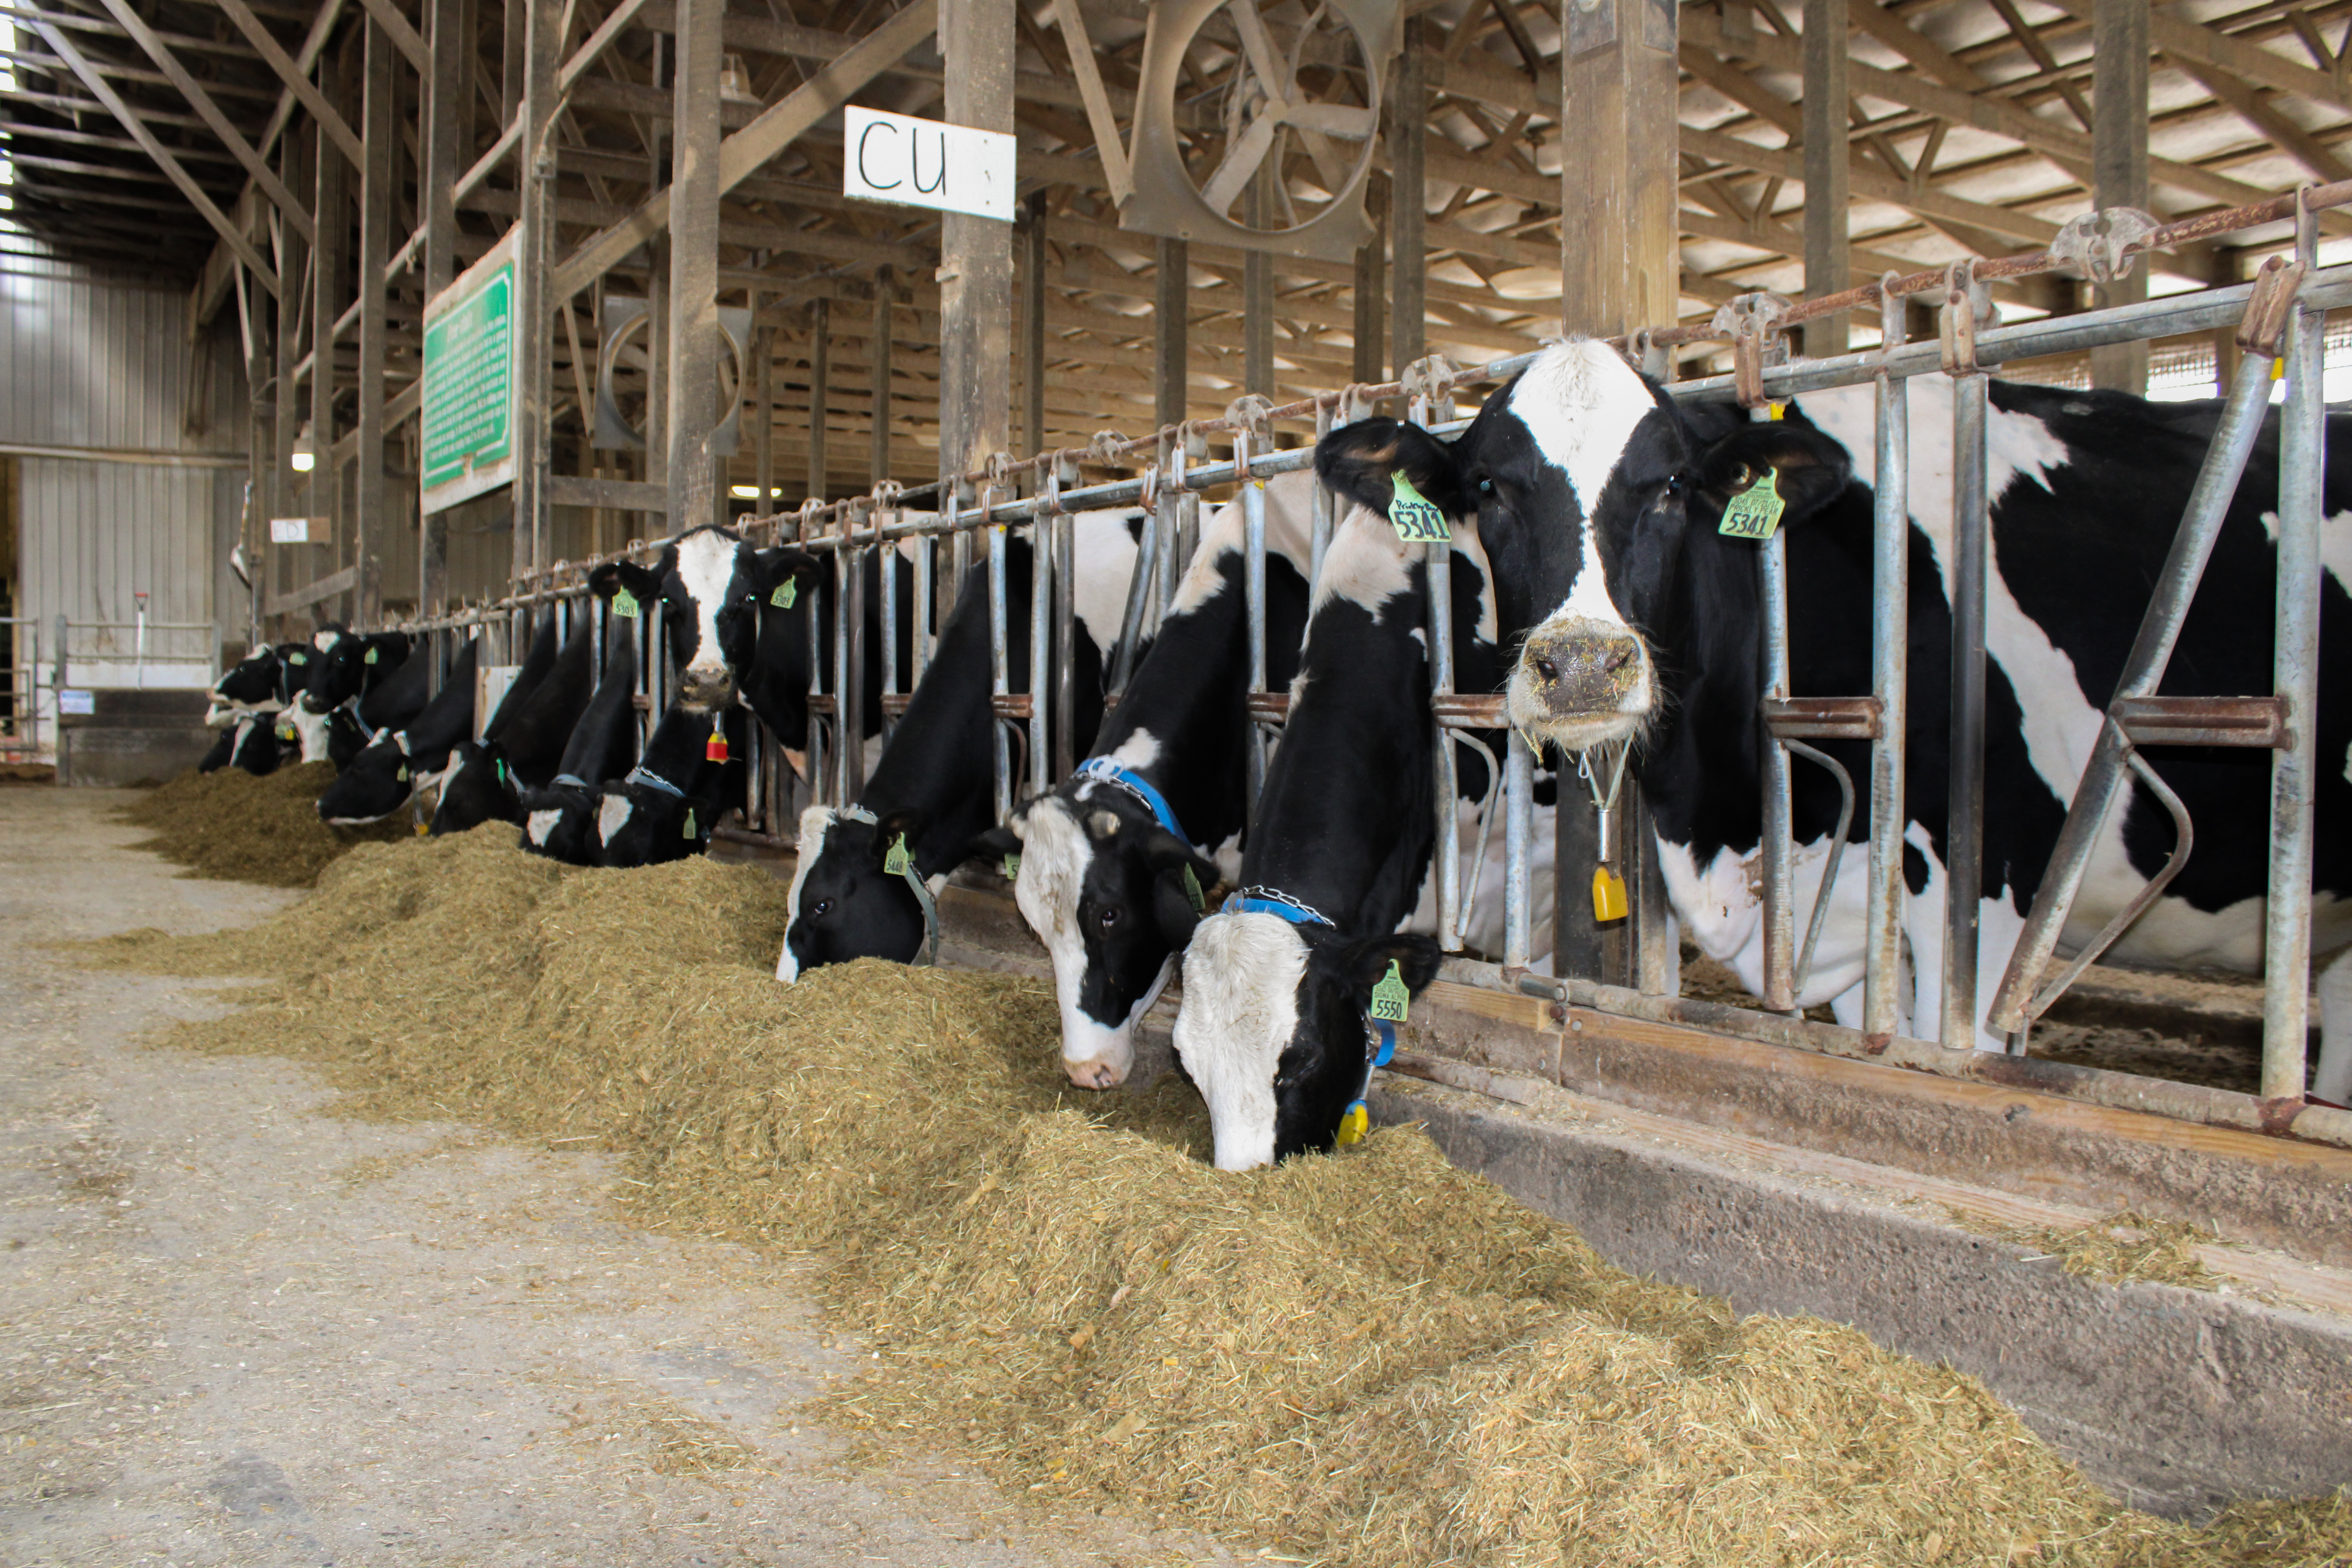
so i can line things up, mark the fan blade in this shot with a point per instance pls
(1242, 159)
(1260, 48)
(1333, 120)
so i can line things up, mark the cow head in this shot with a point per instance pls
(254, 682)
(378, 783)
(709, 586)
(476, 787)
(560, 822)
(344, 665)
(1102, 885)
(844, 905)
(1274, 1030)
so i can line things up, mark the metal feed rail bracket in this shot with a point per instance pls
(2137, 716)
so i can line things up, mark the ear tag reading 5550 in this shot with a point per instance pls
(1200, 901)
(1607, 894)
(895, 863)
(624, 603)
(786, 592)
(1417, 521)
(1755, 511)
(1391, 997)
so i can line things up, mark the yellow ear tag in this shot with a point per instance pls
(402, 776)
(686, 831)
(786, 592)
(423, 828)
(624, 603)
(1354, 1125)
(895, 863)
(1012, 867)
(1607, 894)
(1755, 511)
(370, 657)
(1192, 891)
(286, 733)
(1417, 521)
(1391, 998)
(2278, 370)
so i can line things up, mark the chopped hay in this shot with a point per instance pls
(1374, 1359)
(2123, 1249)
(680, 1443)
(231, 826)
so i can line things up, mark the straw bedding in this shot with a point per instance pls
(232, 826)
(1371, 1359)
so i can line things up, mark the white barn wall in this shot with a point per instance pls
(95, 362)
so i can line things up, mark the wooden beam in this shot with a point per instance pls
(2240, 58)
(1100, 118)
(589, 53)
(1827, 155)
(2249, 105)
(395, 26)
(2119, 30)
(297, 80)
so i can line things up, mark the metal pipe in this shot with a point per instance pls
(2294, 767)
(1518, 825)
(999, 669)
(1964, 835)
(1253, 598)
(1065, 649)
(1890, 630)
(1321, 515)
(888, 572)
(819, 775)
(1777, 851)
(849, 676)
(1138, 601)
(926, 609)
(1039, 755)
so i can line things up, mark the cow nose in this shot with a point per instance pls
(1099, 1073)
(702, 688)
(1584, 667)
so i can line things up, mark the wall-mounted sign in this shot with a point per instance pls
(77, 702)
(298, 530)
(925, 163)
(471, 386)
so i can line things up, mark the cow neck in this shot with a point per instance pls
(1698, 764)
(597, 744)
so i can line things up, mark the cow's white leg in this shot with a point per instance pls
(1923, 922)
(1846, 1007)
(2334, 1081)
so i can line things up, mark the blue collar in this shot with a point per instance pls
(1152, 801)
(1257, 901)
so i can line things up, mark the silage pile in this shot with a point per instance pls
(232, 826)
(1370, 1359)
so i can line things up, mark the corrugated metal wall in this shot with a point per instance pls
(93, 362)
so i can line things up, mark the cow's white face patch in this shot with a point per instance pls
(1241, 1009)
(313, 729)
(613, 815)
(815, 822)
(1055, 854)
(1581, 402)
(540, 825)
(1138, 751)
(706, 564)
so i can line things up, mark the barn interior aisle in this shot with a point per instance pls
(236, 1329)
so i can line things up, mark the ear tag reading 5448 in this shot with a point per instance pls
(1755, 511)
(786, 592)
(1417, 521)
(624, 603)
(1607, 894)
(895, 863)
(1391, 997)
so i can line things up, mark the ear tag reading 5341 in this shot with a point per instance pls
(624, 603)
(1192, 891)
(1391, 997)
(1417, 521)
(1755, 511)
(895, 863)
(1607, 894)
(786, 592)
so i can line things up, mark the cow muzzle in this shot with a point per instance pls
(704, 688)
(1580, 682)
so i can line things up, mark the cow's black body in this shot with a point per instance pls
(390, 770)
(666, 805)
(522, 744)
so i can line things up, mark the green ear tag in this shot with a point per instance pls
(687, 830)
(1416, 520)
(502, 770)
(286, 731)
(1391, 996)
(1755, 511)
(1192, 891)
(402, 776)
(298, 659)
(624, 603)
(896, 862)
(370, 657)
(1012, 867)
(786, 592)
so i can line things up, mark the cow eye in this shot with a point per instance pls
(1678, 482)
(1109, 918)
(824, 906)
(1486, 487)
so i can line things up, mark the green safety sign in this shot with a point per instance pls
(469, 404)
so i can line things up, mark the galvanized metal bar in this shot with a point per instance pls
(1890, 620)
(888, 584)
(2295, 678)
(1320, 515)
(1777, 851)
(926, 609)
(849, 670)
(1253, 598)
(1438, 580)
(1139, 601)
(1000, 669)
(1042, 542)
(1518, 825)
(1964, 834)
(1169, 507)
(1065, 649)
(820, 778)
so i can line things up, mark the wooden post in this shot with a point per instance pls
(976, 253)
(1170, 305)
(1372, 304)
(294, 170)
(1032, 328)
(447, 89)
(534, 310)
(2119, 54)
(763, 420)
(1617, 260)
(696, 341)
(820, 392)
(372, 508)
(885, 286)
(1826, 169)
(1409, 201)
(331, 222)
(1257, 288)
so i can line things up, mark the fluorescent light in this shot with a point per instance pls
(305, 456)
(744, 492)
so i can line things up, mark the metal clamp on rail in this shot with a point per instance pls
(1011, 704)
(1426, 380)
(1470, 710)
(2203, 721)
(1967, 309)
(2099, 247)
(2268, 309)
(1824, 718)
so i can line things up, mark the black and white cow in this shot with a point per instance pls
(558, 814)
(347, 664)
(1649, 627)
(666, 807)
(1335, 883)
(522, 745)
(398, 762)
(711, 588)
(1104, 854)
(934, 785)
(246, 702)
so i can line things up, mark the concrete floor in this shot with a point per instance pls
(235, 1329)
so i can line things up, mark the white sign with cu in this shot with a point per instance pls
(917, 162)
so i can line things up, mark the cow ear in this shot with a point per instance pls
(991, 848)
(1358, 966)
(773, 567)
(1811, 469)
(1173, 910)
(1361, 461)
(1180, 882)
(615, 575)
(907, 824)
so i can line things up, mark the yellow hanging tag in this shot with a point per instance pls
(896, 862)
(1776, 410)
(1417, 519)
(286, 733)
(624, 603)
(1012, 867)
(1354, 1125)
(1755, 511)
(786, 592)
(2278, 370)
(714, 750)
(423, 828)
(1391, 998)
(1607, 894)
